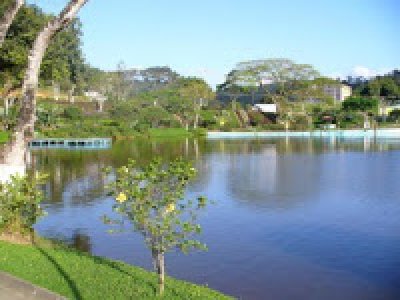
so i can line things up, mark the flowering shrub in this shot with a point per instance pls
(152, 199)
(20, 199)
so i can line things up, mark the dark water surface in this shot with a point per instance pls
(293, 219)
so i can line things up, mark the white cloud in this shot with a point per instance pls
(361, 71)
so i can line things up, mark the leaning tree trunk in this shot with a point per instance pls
(159, 266)
(8, 17)
(27, 115)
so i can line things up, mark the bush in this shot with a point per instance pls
(300, 123)
(72, 113)
(20, 199)
(361, 104)
(4, 136)
(277, 127)
(394, 115)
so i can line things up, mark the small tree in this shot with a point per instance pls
(153, 200)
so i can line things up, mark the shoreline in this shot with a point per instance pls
(339, 133)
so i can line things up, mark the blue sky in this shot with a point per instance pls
(207, 38)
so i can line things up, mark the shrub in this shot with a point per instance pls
(394, 115)
(72, 113)
(361, 104)
(20, 199)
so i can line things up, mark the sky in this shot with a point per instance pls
(208, 38)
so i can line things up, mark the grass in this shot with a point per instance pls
(80, 276)
(168, 132)
(4, 136)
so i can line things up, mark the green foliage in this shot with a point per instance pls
(72, 113)
(47, 114)
(257, 118)
(350, 119)
(91, 278)
(20, 203)
(153, 199)
(10, 121)
(361, 104)
(169, 132)
(4, 136)
(387, 86)
(63, 61)
(208, 118)
(277, 70)
(395, 115)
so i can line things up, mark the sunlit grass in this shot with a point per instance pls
(80, 276)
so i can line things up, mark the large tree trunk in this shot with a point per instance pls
(14, 152)
(159, 267)
(27, 115)
(8, 17)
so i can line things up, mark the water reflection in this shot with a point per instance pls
(81, 242)
(321, 214)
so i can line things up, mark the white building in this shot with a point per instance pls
(339, 92)
(266, 108)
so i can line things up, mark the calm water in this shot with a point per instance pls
(293, 219)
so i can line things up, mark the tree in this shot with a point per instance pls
(152, 199)
(361, 104)
(7, 18)
(27, 116)
(280, 79)
(196, 91)
(63, 62)
(274, 71)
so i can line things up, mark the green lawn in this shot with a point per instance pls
(3, 137)
(169, 132)
(80, 276)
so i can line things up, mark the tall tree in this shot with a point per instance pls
(8, 17)
(27, 114)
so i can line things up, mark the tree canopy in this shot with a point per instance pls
(63, 63)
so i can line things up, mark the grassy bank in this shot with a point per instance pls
(174, 132)
(4, 136)
(80, 276)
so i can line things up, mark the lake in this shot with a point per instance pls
(293, 218)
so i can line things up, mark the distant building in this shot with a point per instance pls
(386, 110)
(95, 96)
(270, 111)
(339, 92)
(266, 108)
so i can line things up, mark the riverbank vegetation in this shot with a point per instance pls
(77, 275)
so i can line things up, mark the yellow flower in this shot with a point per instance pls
(170, 208)
(121, 198)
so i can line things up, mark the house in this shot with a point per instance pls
(95, 96)
(270, 111)
(339, 92)
(266, 108)
(386, 110)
